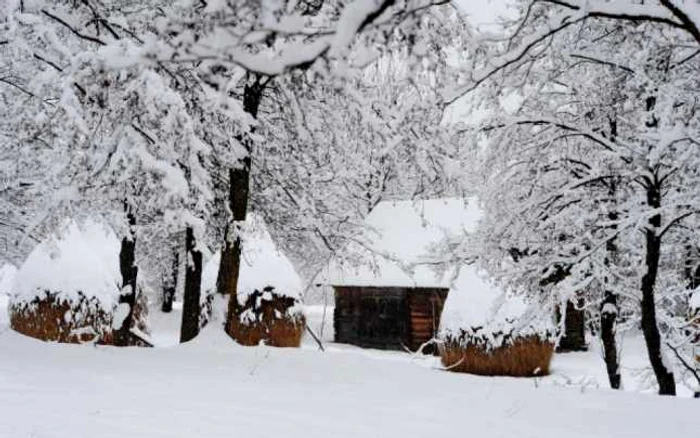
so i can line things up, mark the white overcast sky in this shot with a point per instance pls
(484, 12)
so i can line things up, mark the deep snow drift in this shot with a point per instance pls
(213, 388)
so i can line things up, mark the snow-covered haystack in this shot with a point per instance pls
(267, 308)
(487, 331)
(67, 290)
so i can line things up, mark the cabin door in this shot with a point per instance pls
(383, 320)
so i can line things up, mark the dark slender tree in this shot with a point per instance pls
(193, 281)
(129, 272)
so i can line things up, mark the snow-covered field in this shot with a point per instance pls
(213, 388)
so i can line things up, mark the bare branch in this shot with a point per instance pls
(72, 29)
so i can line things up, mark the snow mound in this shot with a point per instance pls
(8, 275)
(476, 309)
(694, 303)
(397, 245)
(80, 259)
(263, 265)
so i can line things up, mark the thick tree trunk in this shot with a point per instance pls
(129, 272)
(170, 283)
(609, 309)
(239, 186)
(574, 338)
(652, 336)
(193, 280)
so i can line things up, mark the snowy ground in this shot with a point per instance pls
(213, 388)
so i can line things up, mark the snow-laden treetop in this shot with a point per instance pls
(262, 264)
(397, 246)
(79, 258)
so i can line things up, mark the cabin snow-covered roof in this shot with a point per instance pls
(398, 245)
(262, 264)
(78, 259)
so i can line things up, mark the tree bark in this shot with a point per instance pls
(170, 283)
(239, 186)
(608, 330)
(652, 336)
(574, 338)
(609, 309)
(193, 280)
(129, 272)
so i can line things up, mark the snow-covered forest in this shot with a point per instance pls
(256, 217)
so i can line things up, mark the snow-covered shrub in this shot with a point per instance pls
(267, 306)
(488, 331)
(67, 290)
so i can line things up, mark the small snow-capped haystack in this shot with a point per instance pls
(67, 290)
(491, 332)
(267, 308)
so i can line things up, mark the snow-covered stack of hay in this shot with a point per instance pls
(268, 305)
(67, 290)
(490, 332)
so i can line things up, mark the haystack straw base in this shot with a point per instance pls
(524, 357)
(45, 319)
(277, 333)
(269, 318)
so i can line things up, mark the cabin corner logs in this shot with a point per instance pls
(391, 318)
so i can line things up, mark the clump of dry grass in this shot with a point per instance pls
(271, 321)
(49, 318)
(522, 357)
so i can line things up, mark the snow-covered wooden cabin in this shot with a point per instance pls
(388, 293)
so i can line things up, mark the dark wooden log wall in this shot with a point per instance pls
(389, 318)
(425, 309)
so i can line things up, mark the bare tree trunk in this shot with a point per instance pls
(170, 282)
(239, 186)
(608, 330)
(574, 338)
(193, 280)
(609, 309)
(652, 336)
(129, 272)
